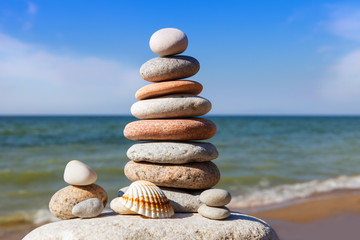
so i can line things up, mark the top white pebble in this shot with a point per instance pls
(168, 41)
(78, 173)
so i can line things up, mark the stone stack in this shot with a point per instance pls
(169, 110)
(82, 198)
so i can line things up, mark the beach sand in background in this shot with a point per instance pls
(328, 216)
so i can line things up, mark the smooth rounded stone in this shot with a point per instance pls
(168, 41)
(63, 201)
(189, 176)
(119, 208)
(89, 208)
(215, 197)
(172, 152)
(182, 201)
(170, 129)
(182, 226)
(78, 173)
(168, 87)
(169, 68)
(171, 106)
(215, 213)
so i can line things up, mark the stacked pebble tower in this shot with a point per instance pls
(82, 198)
(169, 109)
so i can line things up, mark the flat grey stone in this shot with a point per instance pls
(169, 68)
(89, 208)
(216, 213)
(172, 152)
(182, 201)
(215, 197)
(171, 106)
(181, 226)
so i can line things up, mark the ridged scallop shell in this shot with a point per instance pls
(147, 199)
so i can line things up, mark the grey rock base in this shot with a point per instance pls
(181, 226)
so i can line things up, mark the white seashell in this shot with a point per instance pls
(147, 199)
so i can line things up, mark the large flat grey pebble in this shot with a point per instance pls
(172, 152)
(169, 68)
(182, 226)
(171, 106)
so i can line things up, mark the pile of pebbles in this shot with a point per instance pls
(169, 109)
(82, 198)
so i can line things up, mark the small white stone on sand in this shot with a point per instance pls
(89, 208)
(78, 173)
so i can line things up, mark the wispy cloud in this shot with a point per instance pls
(32, 8)
(343, 79)
(35, 80)
(344, 21)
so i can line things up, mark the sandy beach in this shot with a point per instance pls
(327, 216)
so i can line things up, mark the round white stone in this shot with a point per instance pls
(89, 208)
(215, 197)
(171, 106)
(119, 208)
(78, 173)
(215, 213)
(168, 41)
(172, 152)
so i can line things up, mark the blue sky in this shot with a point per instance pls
(257, 57)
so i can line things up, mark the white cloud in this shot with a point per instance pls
(343, 79)
(34, 80)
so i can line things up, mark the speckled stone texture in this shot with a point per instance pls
(181, 227)
(215, 197)
(182, 201)
(170, 129)
(171, 106)
(65, 199)
(168, 87)
(216, 213)
(169, 68)
(172, 152)
(189, 176)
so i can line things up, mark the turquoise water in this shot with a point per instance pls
(262, 159)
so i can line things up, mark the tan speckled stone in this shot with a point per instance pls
(63, 201)
(169, 68)
(189, 176)
(167, 88)
(171, 129)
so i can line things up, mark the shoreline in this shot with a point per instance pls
(328, 215)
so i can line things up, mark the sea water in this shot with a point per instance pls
(263, 160)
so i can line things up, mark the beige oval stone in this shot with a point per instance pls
(168, 87)
(78, 173)
(171, 129)
(171, 106)
(189, 176)
(215, 213)
(215, 197)
(63, 201)
(169, 68)
(168, 41)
